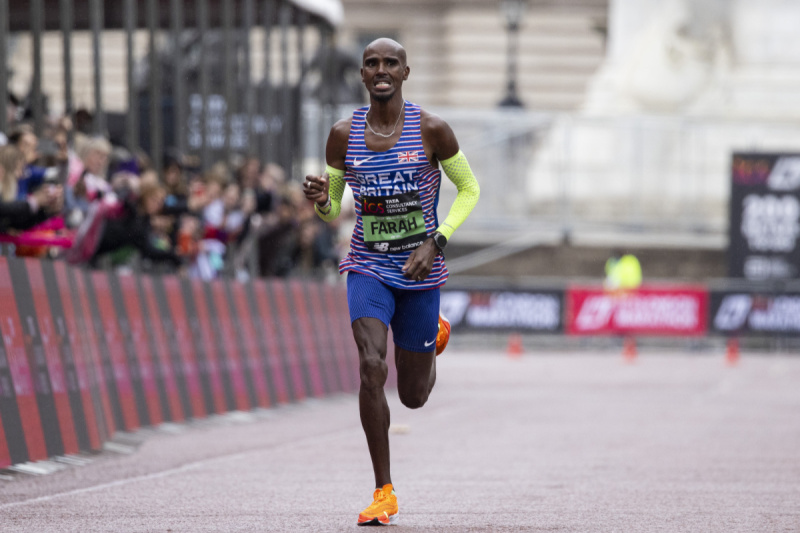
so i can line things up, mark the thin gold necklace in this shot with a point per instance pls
(396, 122)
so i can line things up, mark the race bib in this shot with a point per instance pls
(393, 223)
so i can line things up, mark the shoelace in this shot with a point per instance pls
(379, 497)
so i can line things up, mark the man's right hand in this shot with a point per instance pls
(316, 189)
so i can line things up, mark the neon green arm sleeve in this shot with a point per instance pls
(336, 185)
(457, 169)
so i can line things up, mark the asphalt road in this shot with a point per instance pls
(558, 442)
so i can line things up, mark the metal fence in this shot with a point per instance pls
(197, 88)
(638, 173)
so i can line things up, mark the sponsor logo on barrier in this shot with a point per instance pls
(785, 176)
(756, 313)
(732, 313)
(661, 311)
(533, 311)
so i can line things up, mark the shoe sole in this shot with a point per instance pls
(376, 522)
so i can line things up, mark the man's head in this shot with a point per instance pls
(384, 68)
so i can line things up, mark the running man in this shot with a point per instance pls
(389, 154)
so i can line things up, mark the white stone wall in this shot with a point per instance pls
(685, 83)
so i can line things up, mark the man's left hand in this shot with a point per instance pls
(420, 262)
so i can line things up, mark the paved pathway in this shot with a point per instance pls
(566, 442)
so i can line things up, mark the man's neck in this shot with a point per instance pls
(385, 112)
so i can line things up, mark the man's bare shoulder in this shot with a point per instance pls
(341, 130)
(437, 136)
(336, 149)
(433, 123)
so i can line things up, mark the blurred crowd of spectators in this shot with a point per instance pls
(73, 195)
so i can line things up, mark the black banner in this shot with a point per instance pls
(531, 311)
(754, 313)
(764, 216)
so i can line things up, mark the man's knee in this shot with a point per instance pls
(374, 371)
(413, 399)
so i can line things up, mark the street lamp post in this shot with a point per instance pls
(513, 11)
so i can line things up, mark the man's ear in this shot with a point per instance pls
(405, 76)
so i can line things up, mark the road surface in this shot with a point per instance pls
(565, 442)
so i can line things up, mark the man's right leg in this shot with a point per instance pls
(370, 335)
(371, 308)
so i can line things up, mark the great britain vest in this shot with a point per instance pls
(396, 195)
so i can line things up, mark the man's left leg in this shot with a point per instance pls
(416, 376)
(415, 326)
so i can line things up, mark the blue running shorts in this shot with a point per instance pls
(413, 315)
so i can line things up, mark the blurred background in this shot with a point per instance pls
(662, 129)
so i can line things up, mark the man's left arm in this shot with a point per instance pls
(459, 172)
(441, 145)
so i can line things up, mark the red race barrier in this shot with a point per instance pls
(138, 345)
(306, 323)
(49, 338)
(108, 324)
(269, 337)
(231, 356)
(338, 339)
(28, 444)
(299, 378)
(5, 454)
(204, 333)
(323, 334)
(78, 355)
(67, 357)
(184, 344)
(650, 310)
(154, 324)
(37, 357)
(349, 347)
(250, 344)
(85, 319)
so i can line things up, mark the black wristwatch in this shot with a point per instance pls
(439, 240)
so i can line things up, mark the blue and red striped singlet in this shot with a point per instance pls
(394, 191)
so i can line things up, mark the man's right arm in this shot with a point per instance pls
(326, 191)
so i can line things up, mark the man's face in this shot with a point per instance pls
(384, 69)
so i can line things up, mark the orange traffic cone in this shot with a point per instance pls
(732, 352)
(514, 349)
(629, 351)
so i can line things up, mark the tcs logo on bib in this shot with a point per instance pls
(373, 207)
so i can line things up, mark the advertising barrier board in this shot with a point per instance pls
(537, 311)
(754, 313)
(764, 216)
(670, 310)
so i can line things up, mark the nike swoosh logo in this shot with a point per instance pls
(430, 343)
(357, 163)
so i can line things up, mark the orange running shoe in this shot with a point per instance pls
(383, 510)
(444, 334)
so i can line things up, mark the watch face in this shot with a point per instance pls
(440, 240)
